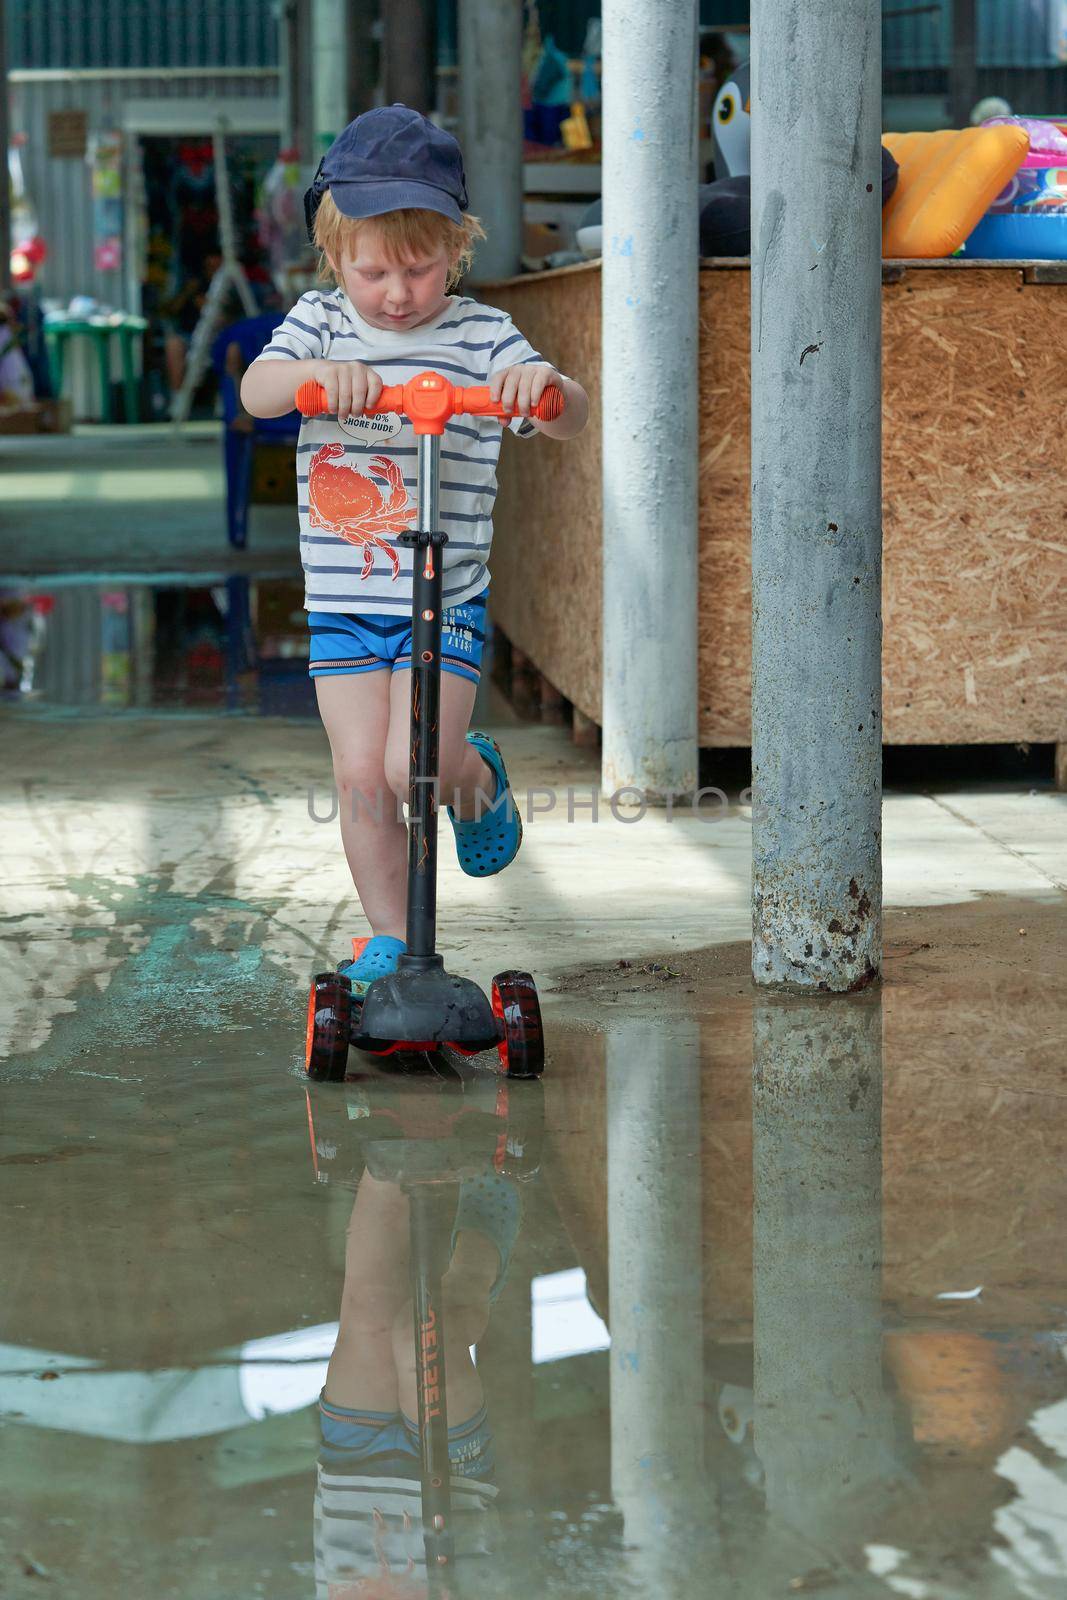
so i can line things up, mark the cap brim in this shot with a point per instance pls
(373, 199)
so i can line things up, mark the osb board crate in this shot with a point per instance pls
(273, 474)
(975, 590)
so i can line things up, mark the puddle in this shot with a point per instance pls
(238, 645)
(773, 1298)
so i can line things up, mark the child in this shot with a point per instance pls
(388, 212)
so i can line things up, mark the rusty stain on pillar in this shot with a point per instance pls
(816, 493)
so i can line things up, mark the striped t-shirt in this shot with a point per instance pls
(356, 479)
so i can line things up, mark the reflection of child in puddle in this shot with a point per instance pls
(368, 1513)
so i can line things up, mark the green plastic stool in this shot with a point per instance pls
(99, 331)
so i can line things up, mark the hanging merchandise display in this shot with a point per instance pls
(551, 91)
(280, 219)
(104, 156)
(28, 249)
(560, 97)
(551, 84)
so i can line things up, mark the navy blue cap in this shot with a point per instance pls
(390, 159)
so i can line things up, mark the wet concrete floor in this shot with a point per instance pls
(784, 1306)
(129, 499)
(764, 1295)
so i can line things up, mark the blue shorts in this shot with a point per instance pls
(351, 1437)
(344, 643)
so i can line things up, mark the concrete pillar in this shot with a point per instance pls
(364, 55)
(816, 497)
(963, 69)
(655, 1268)
(649, 269)
(824, 1429)
(329, 71)
(409, 53)
(490, 83)
(295, 79)
(288, 71)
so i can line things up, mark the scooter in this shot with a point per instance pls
(421, 1007)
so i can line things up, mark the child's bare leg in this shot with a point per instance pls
(361, 1374)
(462, 768)
(355, 711)
(465, 1291)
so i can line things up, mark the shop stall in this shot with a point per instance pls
(975, 585)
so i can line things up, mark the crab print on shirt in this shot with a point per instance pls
(354, 475)
(344, 501)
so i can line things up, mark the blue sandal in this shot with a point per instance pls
(371, 958)
(489, 843)
(491, 1206)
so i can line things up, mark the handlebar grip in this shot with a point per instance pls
(551, 404)
(475, 401)
(312, 401)
(390, 399)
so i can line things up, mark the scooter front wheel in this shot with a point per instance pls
(329, 1027)
(521, 1045)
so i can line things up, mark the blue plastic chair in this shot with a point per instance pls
(251, 335)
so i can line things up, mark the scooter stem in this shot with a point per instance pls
(424, 765)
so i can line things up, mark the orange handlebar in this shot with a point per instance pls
(430, 400)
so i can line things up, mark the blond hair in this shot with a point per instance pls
(402, 235)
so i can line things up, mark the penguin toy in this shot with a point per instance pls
(731, 125)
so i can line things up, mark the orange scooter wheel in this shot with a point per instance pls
(521, 1044)
(329, 1027)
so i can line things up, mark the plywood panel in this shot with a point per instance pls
(975, 608)
(546, 561)
(975, 600)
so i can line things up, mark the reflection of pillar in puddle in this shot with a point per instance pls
(654, 1257)
(823, 1424)
(70, 670)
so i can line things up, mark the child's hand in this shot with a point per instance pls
(519, 388)
(350, 386)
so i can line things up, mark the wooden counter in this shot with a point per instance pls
(975, 594)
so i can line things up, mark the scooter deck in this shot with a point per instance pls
(404, 1059)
